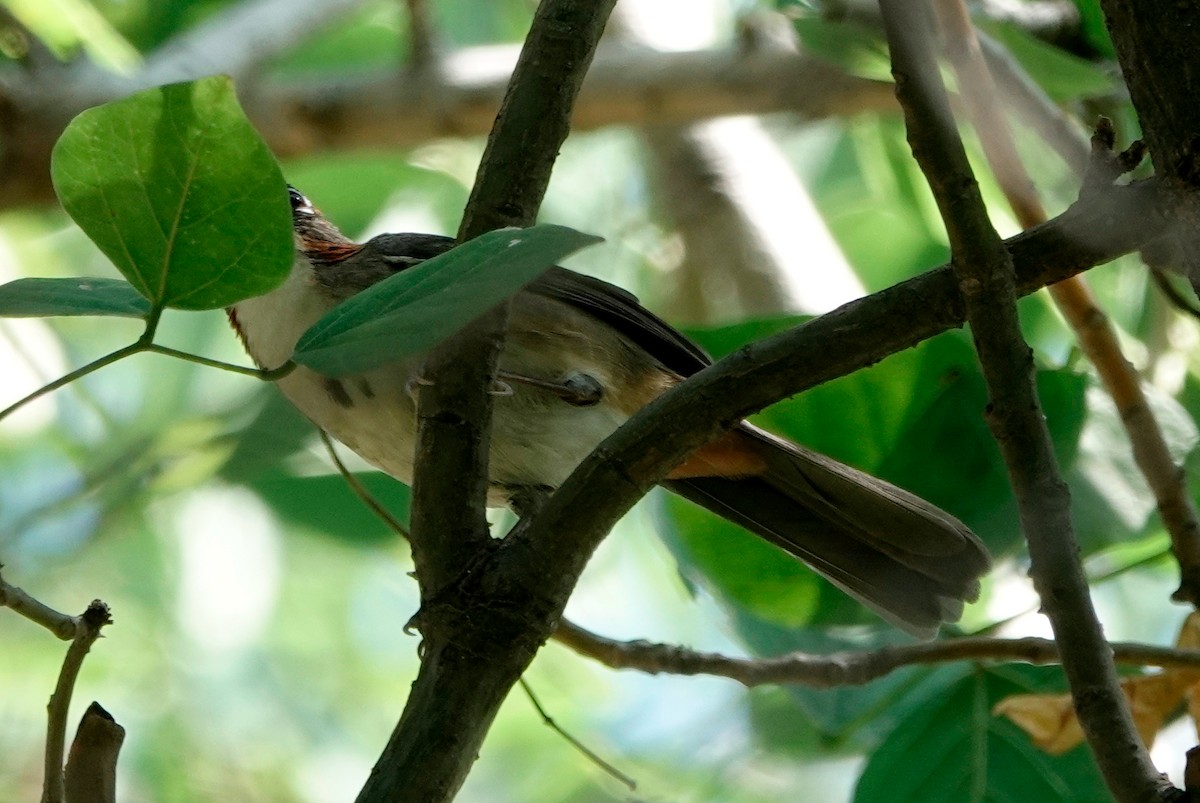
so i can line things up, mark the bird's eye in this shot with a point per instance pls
(299, 202)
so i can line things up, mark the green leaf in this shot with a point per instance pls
(855, 48)
(327, 504)
(39, 298)
(1063, 76)
(417, 308)
(178, 190)
(966, 754)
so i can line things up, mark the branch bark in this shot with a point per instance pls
(473, 653)
(842, 668)
(1155, 44)
(985, 275)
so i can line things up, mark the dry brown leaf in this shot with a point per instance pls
(1050, 721)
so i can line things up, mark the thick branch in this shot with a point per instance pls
(1156, 45)
(91, 773)
(985, 274)
(459, 98)
(474, 652)
(558, 542)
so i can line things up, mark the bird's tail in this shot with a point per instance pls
(911, 562)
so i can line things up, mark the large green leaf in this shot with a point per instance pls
(415, 309)
(178, 190)
(952, 750)
(39, 298)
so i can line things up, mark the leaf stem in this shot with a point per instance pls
(267, 375)
(78, 373)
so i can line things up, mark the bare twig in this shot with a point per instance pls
(88, 625)
(1074, 297)
(985, 274)
(842, 668)
(91, 774)
(60, 624)
(364, 496)
(587, 752)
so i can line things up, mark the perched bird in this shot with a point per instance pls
(582, 356)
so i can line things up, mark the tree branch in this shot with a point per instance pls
(473, 653)
(457, 97)
(842, 668)
(1074, 298)
(88, 625)
(1155, 44)
(985, 274)
(91, 773)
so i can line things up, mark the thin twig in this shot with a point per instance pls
(364, 496)
(578, 745)
(985, 273)
(60, 624)
(140, 347)
(843, 668)
(88, 625)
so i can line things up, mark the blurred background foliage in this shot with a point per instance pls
(259, 652)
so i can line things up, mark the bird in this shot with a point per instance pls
(580, 357)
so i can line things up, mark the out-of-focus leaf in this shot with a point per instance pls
(327, 504)
(277, 431)
(952, 749)
(855, 48)
(177, 189)
(417, 308)
(1094, 27)
(38, 298)
(1110, 499)
(1064, 77)
(64, 25)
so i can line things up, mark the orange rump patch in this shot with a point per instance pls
(729, 456)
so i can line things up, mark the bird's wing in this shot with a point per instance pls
(620, 309)
(614, 306)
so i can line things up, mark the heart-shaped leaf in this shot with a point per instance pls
(40, 298)
(416, 309)
(177, 189)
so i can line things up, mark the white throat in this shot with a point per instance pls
(271, 324)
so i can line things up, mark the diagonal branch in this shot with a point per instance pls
(1074, 298)
(1099, 228)
(984, 270)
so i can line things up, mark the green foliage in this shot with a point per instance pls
(1062, 76)
(952, 748)
(413, 310)
(110, 489)
(178, 190)
(43, 298)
